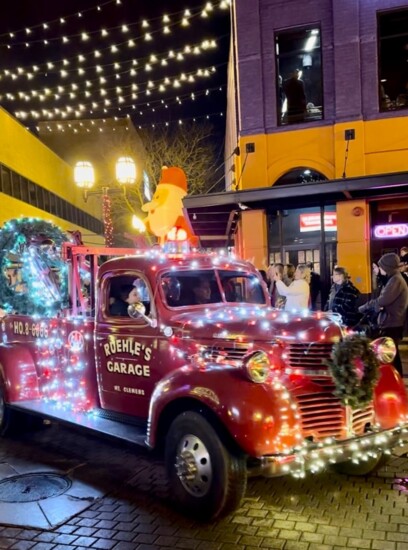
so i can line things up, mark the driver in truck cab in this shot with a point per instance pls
(128, 294)
(202, 291)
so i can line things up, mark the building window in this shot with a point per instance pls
(299, 76)
(393, 60)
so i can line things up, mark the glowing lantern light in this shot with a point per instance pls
(126, 170)
(84, 175)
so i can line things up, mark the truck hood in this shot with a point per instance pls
(254, 323)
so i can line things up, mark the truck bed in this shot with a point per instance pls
(97, 421)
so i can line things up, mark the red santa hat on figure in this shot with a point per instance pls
(173, 176)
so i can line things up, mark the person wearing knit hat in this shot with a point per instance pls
(165, 210)
(389, 262)
(391, 304)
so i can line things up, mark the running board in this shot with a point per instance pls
(92, 421)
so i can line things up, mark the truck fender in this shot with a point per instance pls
(390, 398)
(251, 413)
(18, 374)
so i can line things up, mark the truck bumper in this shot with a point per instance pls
(315, 457)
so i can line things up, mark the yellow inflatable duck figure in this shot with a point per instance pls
(165, 217)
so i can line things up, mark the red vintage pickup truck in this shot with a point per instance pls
(200, 366)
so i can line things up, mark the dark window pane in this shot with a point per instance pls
(40, 197)
(5, 180)
(299, 74)
(393, 58)
(301, 226)
(46, 200)
(53, 204)
(15, 185)
(32, 193)
(24, 189)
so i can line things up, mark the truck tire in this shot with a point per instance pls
(206, 480)
(363, 468)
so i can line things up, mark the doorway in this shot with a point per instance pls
(323, 258)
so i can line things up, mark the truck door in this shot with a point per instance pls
(126, 348)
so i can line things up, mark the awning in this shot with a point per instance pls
(214, 217)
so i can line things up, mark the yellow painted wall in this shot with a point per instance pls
(380, 146)
(353, 237)
(254, 241)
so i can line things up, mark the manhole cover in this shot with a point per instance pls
(33, 487)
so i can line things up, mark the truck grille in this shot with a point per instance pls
(225, 352)
(322, 415)
(308, 357)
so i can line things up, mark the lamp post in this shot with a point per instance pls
(84, 177)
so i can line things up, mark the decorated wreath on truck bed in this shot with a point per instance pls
(355, 370)
(33, 278)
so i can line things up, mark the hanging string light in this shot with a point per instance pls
(18, 38)
(125, 96)
(105, 81)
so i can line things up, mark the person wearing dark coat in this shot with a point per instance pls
(343, 297)
(315, 287)
(294, 89)
(391, 304)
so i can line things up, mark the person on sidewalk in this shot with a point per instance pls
(391, 304)
(298, 292)
(343, 297)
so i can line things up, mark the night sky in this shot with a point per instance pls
(105, 67)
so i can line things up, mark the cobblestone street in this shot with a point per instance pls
(325, 511)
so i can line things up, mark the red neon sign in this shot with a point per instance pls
(312, 222)
(391, 231)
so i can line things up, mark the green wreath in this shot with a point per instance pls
(32, 247)
(355, 370)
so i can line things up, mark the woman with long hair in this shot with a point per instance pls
(277, 300)
(298, 292)
(343, 297)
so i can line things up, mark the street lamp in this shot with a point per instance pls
(84, 177)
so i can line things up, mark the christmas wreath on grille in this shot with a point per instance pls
(30, 250)
(355, 370)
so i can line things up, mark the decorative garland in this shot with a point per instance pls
(31, 247)
(355, 370)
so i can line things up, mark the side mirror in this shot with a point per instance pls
(138, 310)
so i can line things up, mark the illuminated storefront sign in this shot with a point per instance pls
(312, 222)
(391, 231)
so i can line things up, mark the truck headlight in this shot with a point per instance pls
(257, 366)
(385, 349)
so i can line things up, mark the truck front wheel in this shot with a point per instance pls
(206, 479)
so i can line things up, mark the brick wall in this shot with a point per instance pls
(349, 56)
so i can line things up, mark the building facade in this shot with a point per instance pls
(35, 182)
(320, 95)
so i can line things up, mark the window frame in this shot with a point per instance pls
(380, 14)
(280, 32)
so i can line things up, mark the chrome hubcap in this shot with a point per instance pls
(193, 465)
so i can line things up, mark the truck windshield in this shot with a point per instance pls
(185, 288)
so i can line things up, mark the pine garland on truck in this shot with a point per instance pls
(355, 370)
(32, 273)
